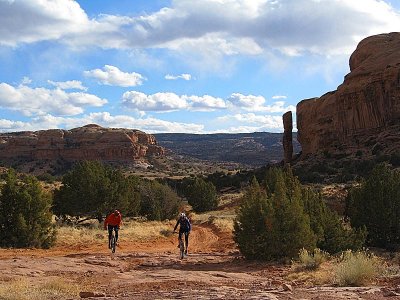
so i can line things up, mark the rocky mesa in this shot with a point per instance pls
(90, 142)
(363, 115)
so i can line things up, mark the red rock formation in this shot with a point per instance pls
(287, 137)
(90, 142)
(364, 111)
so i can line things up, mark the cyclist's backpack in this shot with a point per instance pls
(185, 224)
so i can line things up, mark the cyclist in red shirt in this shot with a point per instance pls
(113, 222)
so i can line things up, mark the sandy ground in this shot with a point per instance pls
(152, 270)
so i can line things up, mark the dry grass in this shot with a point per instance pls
(357, 269)
(321, 276)
(22, 289)
(222, 218)
(310, 260)
(130, 231)
(350, 269)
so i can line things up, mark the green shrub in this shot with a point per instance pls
(273, 225)
(281, 217)
(356, 269)
(157, 201)
(25, 215)
(311, 260)
(90, 188)
(375, 204)
(201, 195)
(333, 234)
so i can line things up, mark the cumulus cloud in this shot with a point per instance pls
(111, 75)
(246, 101)
(155, 102)
(162, 102)
(38, 20)
(260, 122)
(257, 103)
(40, 101)
(228, 27)
(105, 119)
(68, 85)
(183, 76)
(276, 97)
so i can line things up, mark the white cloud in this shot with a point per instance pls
(155, 102)
(183, 76)
(251, 122)
(279, 97)
(38, 20)
(40, 101)
(26, 80)
(246, 101)
(257, 103)
(163, 102)
(227, 27)
(105, 119)
(111, 75)
(67, 85)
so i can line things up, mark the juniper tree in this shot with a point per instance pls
(25, 213)
(375, 204)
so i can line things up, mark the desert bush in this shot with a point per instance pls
(54, 289)
(158, 201)
(201, 195)
(281, 217)
(375, 204)
(91, 188)
(272, 225)
(311, 260)
(25, 213)
(333, 234)
(356, 268)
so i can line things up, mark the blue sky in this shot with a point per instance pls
(201, 66)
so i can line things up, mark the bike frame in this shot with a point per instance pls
(181, 247)
(112, 241)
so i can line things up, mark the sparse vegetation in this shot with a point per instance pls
(311, 260)
(22, 289)
(278, 220)
(92, 189)
(201, 195)
(357, 268)
(25, 213)
(375, 204)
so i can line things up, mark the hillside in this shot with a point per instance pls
(251, 149)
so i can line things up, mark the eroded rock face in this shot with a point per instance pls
(90, 142)
(287, 137)
(364, 112)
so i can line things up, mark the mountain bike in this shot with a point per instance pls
(112, 242)
(181, 246)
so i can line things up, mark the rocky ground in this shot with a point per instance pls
(152, 270)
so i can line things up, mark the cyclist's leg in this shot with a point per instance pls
(116, 228)
(179, 237)
(110, 229)
(186, 241)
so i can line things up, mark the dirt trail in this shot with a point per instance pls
(151, 270)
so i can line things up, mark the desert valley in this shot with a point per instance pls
(356, 125)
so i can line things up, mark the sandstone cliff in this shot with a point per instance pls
(90, 142)
(363, 114)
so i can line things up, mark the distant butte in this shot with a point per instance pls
(90, 142)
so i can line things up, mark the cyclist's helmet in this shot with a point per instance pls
(182, 215)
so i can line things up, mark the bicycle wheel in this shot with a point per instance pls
(113, 243)
(181, 249)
